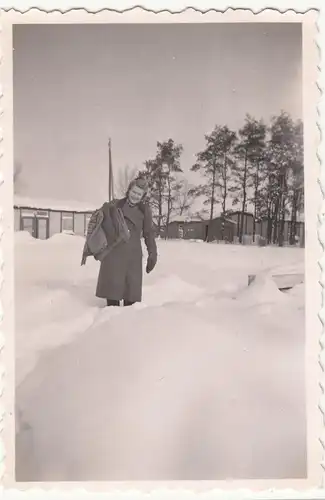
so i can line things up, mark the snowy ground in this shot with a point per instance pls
(203, 380)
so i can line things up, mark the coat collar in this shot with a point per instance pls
(129, 212)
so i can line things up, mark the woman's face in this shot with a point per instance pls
(135, 194)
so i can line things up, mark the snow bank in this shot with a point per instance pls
(201, 381)
(262, 290)
(22, 237)
(61, 238)
(53, 295)
(171, 289)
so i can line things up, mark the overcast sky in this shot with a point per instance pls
(76, 85)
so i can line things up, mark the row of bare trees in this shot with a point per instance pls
(257, 169)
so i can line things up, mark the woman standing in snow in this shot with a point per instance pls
(120, 274)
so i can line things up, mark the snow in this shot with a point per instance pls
(48, 204)
(184, 218)
(202, 380)
(189, 218)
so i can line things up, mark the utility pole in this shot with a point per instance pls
(110, 173)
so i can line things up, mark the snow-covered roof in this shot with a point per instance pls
(187, 218)
(184, 218)
(50, 204)
(231, 221)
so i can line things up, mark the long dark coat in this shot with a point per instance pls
(120, 274)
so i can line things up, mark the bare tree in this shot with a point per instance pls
(124, 177)
(156, 177)
(184, 197)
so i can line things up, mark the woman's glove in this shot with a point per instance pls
(151, 262)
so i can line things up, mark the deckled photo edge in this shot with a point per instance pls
(7, 305)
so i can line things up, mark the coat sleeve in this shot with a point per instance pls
(149, 233)
(90, 228)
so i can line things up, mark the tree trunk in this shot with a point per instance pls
(212, 201)
(168, 202)
(254, 225)
(275, 222)
(160, 203)
(270, 205)
(238, 225)
(269, 223)
(293, 222)
(282, 221)
(282, 208)
(224, 195)
(256, 186)
(244, 200)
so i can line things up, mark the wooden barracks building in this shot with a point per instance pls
(228, 228)
(44, 218)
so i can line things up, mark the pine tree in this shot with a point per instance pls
(214, 163)
(282, 154)
(226, 164)
(248, 161)
(296, 181)
(161, 173)
(168, 154)
(156, 178)
(257, 160)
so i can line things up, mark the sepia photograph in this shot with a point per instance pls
(161, 227)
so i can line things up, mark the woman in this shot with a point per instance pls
(120, 274)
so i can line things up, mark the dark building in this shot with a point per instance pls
(262, 229)
(248, 226)
(219, 228)
(253, 232)
(186, 229)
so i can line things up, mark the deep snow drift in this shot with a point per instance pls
(203, 380)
